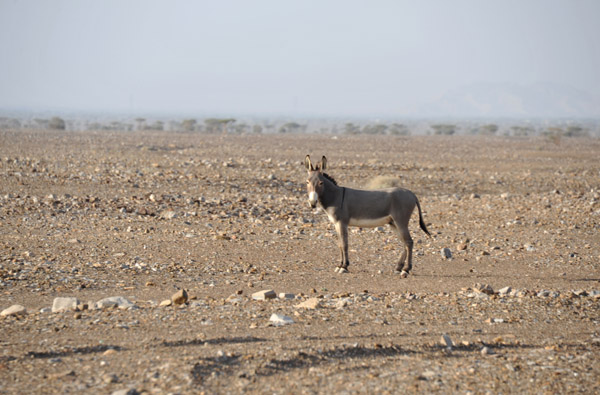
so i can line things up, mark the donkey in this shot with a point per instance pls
(366, 209)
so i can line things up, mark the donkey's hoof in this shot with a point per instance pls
(337, 269)
(403, 274)
(342, 270)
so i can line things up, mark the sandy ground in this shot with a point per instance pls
(142, 215)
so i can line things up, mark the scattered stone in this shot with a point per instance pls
(168, 214)
(15, 309)
(264, 295)
(487, 351)
(446, 253)
(179, 297)
(114, 302)
(166, 302)
(280, 319)
(446, 341)
(484, 288)
(284, 295)
(131, 391)
(310, 304)
(62, 304)
(504, 291)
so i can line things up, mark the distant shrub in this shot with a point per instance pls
(350, 128)
(576, 131)
(57, 123)
(486, 130)
(188, 125)
(444, 129)
(522, 131)
(398, 129)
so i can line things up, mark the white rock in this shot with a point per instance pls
(284, 295)
(310, 304)
(446, 253)
(280, 319)
(264, 295)
(446, 341)
(504, 291)
(114, 301)
(15, 309)
(62, 304)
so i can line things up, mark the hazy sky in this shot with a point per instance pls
(285, 57)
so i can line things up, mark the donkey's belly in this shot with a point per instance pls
(369, 222)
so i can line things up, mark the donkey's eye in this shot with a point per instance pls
(320, 183)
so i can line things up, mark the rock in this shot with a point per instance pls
(264, 295)
(446, 253)
(15, 309)
(504, 291)
(280, 319)
(487, 351)
(446, 341)
(166, 302)
(131, 391)
(62, 304)
(484, 288)
(340, 304)
(113, 302)
(284, 295)
(311, 304)
(168, 214)
(179, 297)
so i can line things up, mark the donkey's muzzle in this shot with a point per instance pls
(312, 199)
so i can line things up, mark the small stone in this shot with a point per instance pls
(110, 351)
(310, 304)
(284, 295)
(484, 288)
(487, 351)
(114, 302)
(168, 214)
(504, 291)
(280, 319)
(15, 309)
(446, 341)
(131, 391)
(61, 304)
(179, 297)
(264, 295)
(166, 302)
(446, 253)
(110, 378)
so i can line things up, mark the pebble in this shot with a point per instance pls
(113, 302)
(166, 302)
(284, 295)
(487, 351)
(504, 291)
(61, 304)
(311, 304)
(130, 391)
(179, 297)
(264, 295)
(280, 319)
(484, 288)
(446, 341)
(446, 253)
(15, 309)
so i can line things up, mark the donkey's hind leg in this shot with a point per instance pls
(405, 263)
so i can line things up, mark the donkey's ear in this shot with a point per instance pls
(323, 163)
(307, 163)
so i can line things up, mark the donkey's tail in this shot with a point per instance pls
(421, 222)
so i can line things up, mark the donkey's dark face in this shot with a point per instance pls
(314, 183)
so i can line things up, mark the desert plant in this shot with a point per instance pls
(57, 123)
(188, 125)
(443, 129)
(215, 125)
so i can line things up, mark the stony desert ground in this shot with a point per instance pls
(101, 230)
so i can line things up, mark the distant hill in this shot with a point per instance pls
(540, 100)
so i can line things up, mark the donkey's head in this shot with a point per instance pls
(314, 183)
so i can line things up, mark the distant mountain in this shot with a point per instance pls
(540, 100)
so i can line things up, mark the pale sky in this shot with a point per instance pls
(267, 57)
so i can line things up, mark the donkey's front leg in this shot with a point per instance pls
(342, 231)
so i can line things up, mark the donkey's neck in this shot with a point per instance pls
(332, 195)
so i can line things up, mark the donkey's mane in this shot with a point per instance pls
(330, 178)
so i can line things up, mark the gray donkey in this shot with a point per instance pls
(367, 209)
